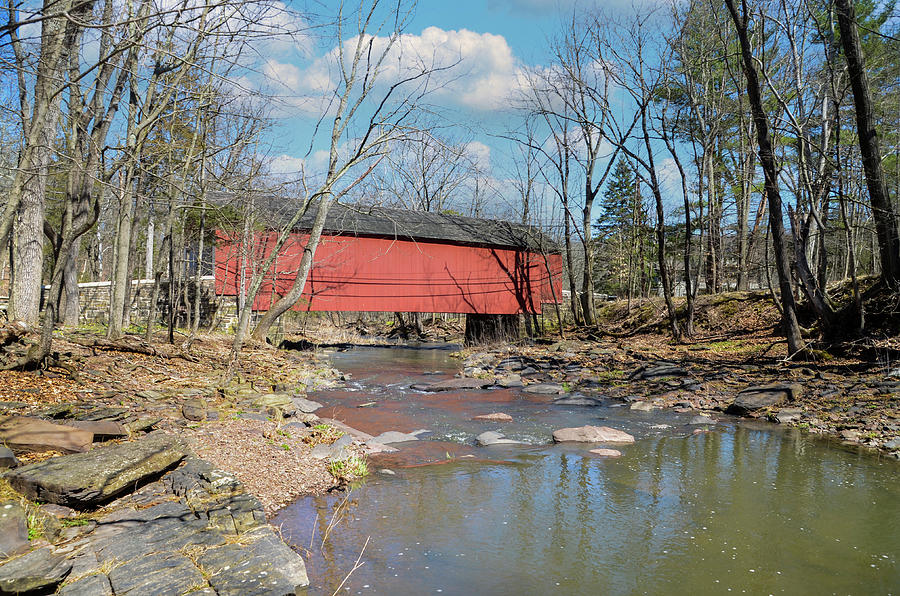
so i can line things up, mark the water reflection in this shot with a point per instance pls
(739, 510)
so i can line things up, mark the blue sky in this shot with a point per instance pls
(493, 38)
(494, 41)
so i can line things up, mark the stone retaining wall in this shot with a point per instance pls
(94, 298)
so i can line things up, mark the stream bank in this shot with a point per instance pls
(105, 493)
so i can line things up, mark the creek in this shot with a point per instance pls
(746, 508)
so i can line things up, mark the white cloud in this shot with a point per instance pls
(471, 70)
(480, 154)
(286, 164)
(282, 74)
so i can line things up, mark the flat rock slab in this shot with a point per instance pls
(265, 566)
(492, 437)
(156, 575)
(510, 381)
(144, 423)
(657, 371)
(753, 399)
(103, 430)
(85, 480)
(494, 417)
(24, 434)
(702, 420)
(13, 530)
(38, 571)
(642, 406)
(544, 389)
(393, 436)
(577, 401)
(786, 415)
(103, 414)
(150, 394)
(357, 435)
(307, 406)
(591, 434)
(373, 447)
(892, 445)
(606, 452)
(96, 584)
(464, 383)
(282, 401)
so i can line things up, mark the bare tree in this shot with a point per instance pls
(382, 109)
(767, 158)
(882, 210)
(626, 49)
(39, 112)
(573, 98)
(425, 171)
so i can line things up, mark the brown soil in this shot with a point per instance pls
(272, 462)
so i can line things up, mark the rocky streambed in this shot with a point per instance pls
(581, 468)
(855, 403)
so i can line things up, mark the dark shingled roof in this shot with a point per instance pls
(423, 225)
(365, 220)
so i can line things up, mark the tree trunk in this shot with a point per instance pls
(195, 324)
(660, 229)
(587, 279)
(24, 211)
(28, 245)
(491, 329)
(121, 253)
(687, 327)
(71, 312)
(767, 160)
(306, 262)
(882, 210)
(570, 267)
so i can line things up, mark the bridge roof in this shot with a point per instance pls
(386, 222)
(424, 225)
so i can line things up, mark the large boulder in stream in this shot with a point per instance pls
(493, 437)
(463, 383)
(591, 434)
(494, 417)
(753, 399)
(577, 401)
(545, 389)
(85, 480)
(395, 436)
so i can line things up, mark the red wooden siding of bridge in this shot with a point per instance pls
(360, 273)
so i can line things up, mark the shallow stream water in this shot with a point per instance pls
(746, 508)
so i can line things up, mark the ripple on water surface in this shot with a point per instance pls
(740, 510)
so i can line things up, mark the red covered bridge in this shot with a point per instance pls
(389, 260)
